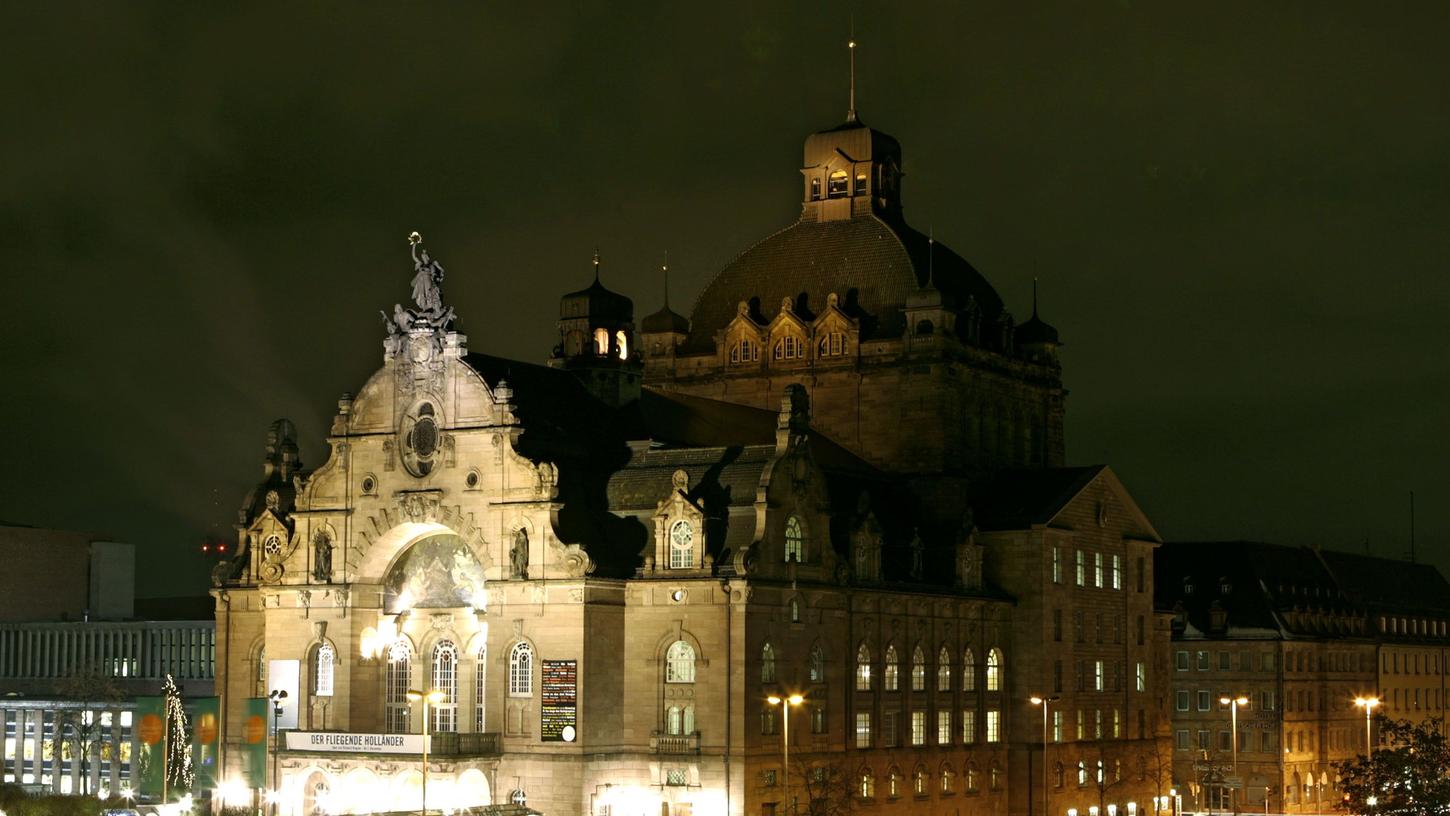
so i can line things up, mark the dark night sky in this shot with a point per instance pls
(1238, 215)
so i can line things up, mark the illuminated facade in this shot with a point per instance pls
(609, 565)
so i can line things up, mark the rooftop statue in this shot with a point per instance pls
(430, 313)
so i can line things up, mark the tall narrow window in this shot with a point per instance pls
(994, 725)
(860, 184)
(794, 540)
(323, 658)
(400, 660)
(682, 545)
(1081, 568)
(815, 189)
(817, 665)
(969, 670)
(621, 342)
(521, 670)
(863, 668)
(445, 680)
(479, 699)
(680, 663)
(994, 670)
(893, 670)
(918, 670)
(601, 342)
(767, 663)
(1117, 572)
(1057, 565)
(944, 670)
(1098, 570)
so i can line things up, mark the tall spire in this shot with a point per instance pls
(851, 46)
(596, 264)
(930, 255)
(666, 269)
(1034, 296)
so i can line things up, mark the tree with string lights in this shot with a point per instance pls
(179, 776)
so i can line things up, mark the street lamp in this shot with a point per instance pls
(785, 703)
(278, 698)
(1368, 704)
(1233, 703)
(1045, 702)
(433, 696)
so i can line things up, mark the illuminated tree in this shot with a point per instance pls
(178, 739)
(1407, 775)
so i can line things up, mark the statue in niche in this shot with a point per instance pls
(918, 553)
(519, 555)
(322, 557)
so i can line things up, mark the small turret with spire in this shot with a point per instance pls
(1037, 339)
(662, 332)
(596, 340)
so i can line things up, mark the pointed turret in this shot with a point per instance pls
(1037, 339)
(596, 340)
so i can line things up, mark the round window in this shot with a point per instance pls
(272, 547)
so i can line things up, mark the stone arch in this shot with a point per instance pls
(472, 790)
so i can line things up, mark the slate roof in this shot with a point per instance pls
(872, 263)
(665, 320)
(1389, 584)
(1018, 499)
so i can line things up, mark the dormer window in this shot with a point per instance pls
(789, 347)
(682, 545)
(838, 185)
(744, 351)
(861, 183)
(815, 189)
(794, 540)
(832, 345)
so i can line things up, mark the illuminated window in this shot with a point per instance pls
(682, 545)
(948, 779)
(866, 784)
(1081, 568)
(521, 670)
(863, 729)
(943, 727)
(1057, 565)
(445, 679)
(1117, 572)
(795, 610)
(815, 189)
(893, 783)
(479, 673)
(969, 670)
(893, 670)
(794, 540)
(994, 670)
(601, 342)
(836, 185)
(744, 351)
(817, 665)
(918, 728)
(767, 663)
(789, 347)
(944, 670)
(994, 725)
(971, 774)
(860, 184)
(323, 658)
(918, 670)
(831, 345)
(400, 658)
(969, 727)
(863, 668)
(680, 720)
(680, 663)
(621, 341)
(920, 781)
(1098, 570)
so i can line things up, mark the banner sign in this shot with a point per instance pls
(205, 718)
(355, 743)
(150, 719)
(559, 698)
(254, 742)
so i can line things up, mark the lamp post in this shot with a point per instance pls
(785, 703)
(1233, 703)
(278, 698)
(1368, 704)
(427, 697)
(1046, 703)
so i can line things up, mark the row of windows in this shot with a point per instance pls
(891, 674)
(1094, 569)
(922, 780)
(790, 347)
(1412, 626)
(1207, 700)
(838, 185)
(918, 728)
(1429, 665)
(1203, 661)
(1101, 675)
(1099, 620)
(119, 650)
(1267, 741)
(443, 676)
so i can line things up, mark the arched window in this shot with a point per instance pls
(969, 670)
(400, 660)
(601, 342)
(893, 670)
(682, 545)
(521, 670)
(767, 663)
(944, 670)
(863, 668)
(817, 665)
(893, 782)
(1057, 774)
(323, 658)
(795, 610)
(994, 670)
(680, 720)
(866, 786)
(837, 185)
(794, 540)
(621, 341)
(479, 673)
(680, 663)
(971, 774)
(920, 781)
(445, 679)
(948, 778)
(1081, 773)
(918, 669)
(996, 776)
(745, 351)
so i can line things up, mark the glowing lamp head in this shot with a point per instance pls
(1239, 701)
(1037, 700)
(433, 696)
(1367, 703)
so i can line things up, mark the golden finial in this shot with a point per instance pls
(414, 238)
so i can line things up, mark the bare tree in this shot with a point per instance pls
(826, 788)
(1107, 775)
(94, 693)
